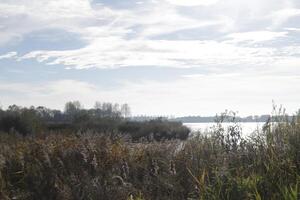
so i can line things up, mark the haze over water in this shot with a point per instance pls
(247, 127)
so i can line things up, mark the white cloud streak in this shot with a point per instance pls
(8, 55)
(193, 2)
(114, 52)
(256, 36)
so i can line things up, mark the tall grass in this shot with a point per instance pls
(218, 165)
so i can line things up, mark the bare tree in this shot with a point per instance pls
(125, 110)
(73, 107)
(98, 105)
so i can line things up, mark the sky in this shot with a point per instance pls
(162, 57)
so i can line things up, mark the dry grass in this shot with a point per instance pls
(221, 165)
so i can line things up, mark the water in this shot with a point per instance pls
(247, 127)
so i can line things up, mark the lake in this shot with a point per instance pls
(247, 127)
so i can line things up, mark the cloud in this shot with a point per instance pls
(193, 2)
(217, 57)
(256, 36)
(12, 54)
(282, 15)
(293, 29)
(133, 37)
(142, 36)
(165, 19)
(112, 52)
(22, 17)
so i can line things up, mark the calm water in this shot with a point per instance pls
(247, 127)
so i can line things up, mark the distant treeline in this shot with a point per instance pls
(210, 119)
(199, 119)
(102, 118)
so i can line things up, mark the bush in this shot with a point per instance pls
(25, 123)
(155, 129)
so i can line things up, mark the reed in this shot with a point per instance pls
(216, 165)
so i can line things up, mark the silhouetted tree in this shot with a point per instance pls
(125, 110)
(72, 107)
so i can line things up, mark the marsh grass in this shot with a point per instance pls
(219, 165)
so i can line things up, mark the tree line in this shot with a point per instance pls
(104, 117)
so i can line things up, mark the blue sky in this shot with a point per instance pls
(163, 57)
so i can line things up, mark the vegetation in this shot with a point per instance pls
(103, 118)
(216, 165)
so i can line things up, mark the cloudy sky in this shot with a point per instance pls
(163, 57)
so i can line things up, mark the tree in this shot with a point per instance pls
(107, 109)
(73, 107)
(116, 110)
(22, 120)
(98, 105)
(14, 108)
(44, 113)
(125, 110)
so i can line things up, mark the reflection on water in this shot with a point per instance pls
(247, 127)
